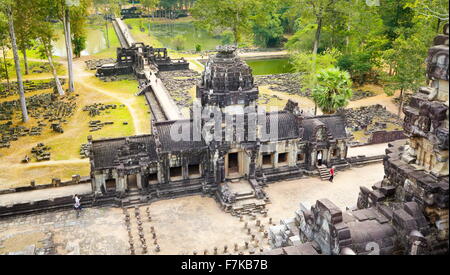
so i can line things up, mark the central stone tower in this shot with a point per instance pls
(227, 81)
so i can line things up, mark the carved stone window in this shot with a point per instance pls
(153, 178)
(267, 160)
(283, 158)
(176, 173)
(194, 171)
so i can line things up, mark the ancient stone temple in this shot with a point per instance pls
(405, 213)
(229, 148)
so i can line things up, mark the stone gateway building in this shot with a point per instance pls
(229, 148)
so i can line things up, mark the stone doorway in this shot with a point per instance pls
(132, 182)
(319, 158)
(233, 165)
(110, 185)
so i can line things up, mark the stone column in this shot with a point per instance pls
(252, 167)
(313, 158)
(184, 168)
(139, 180)
(329, 151)
(345, 151)
(275, 160)
(99, 180)
(121, 183)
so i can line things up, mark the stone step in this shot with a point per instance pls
(243, 194)
(245, 197)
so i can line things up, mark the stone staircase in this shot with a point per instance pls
(246, 201)
(324, 173)
(133, 198)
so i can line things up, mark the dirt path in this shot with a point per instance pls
(382, 99)
(52, 163)
(81, 74)
(263, 54)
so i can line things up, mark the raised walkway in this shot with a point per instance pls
(45, 194)
(165, 107)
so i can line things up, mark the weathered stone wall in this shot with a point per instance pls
(386, 136)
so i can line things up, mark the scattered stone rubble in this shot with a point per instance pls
(41, 152)
(288, 83)
(94, 64)
(360, 94)
(29, 85)
(265, 98)
(96, 125)
(112, 78)
(178, 84)
(96, 108)
(49, 110)
(84, 150)
(363, 117)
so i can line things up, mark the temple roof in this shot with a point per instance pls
(168, 133)
(225, 71)
(106, 151)
(335, 125)
(288, 125)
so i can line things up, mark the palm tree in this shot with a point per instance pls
(333, 90)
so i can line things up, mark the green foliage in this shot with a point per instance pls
(307, 65)
(179, 42)
(406, 59)
(79, 44)
(333, 90)
(78, 15)
(227, 37)
(395, 15)
(303, 37)
(150, 4)
(233, 15)
(267, 28)
(198, 48)
(359, 65)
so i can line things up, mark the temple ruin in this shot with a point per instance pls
(405, 213)
(233, 166)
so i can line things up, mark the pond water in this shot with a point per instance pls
(270, 66)
(95, 42)
(166, 32)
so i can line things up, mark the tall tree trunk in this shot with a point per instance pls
(400, 103)
(317, 36)
(66, 23)
(316, 43)
(8, 87)
(52, 66)
(25, 60)
(106, 32)
(315, 49)
(23, 104)
(150, 20)
(438, 27)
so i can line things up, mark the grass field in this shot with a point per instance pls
(65, 159)
(60, 69)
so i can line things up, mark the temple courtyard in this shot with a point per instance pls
(183, 225)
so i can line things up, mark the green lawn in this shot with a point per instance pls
(60, 69)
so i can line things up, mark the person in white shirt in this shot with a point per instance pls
(319, 158)
(77, 204)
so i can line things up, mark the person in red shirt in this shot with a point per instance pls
(331, 174)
